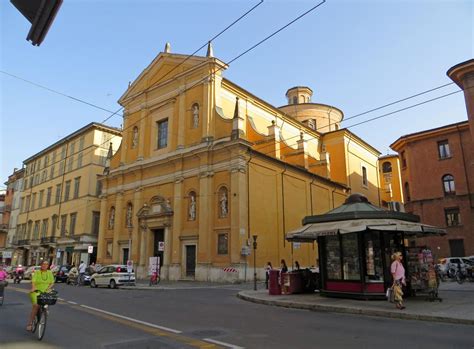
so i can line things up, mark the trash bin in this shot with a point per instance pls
(274, 287)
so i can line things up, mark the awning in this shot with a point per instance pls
(311, 232)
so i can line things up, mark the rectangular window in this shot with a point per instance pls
(404, 159)
(98, 188)
(63, 152)
(77, 182)
(61, 168)
(70, 163)
(63, 224)
(109, 249)
(27, 203)
(30, 227)
(33, 202)
(81, 143)
(102, 157)
(453, 216)
(222, 244)
(350, 257)
(443, 149)
(67, 189)
(79, 160)
(333, 257)
(44, 228)
(95, 222)
(57, 198)
(44, 177)
(72, 224)
(36, 230)
(54, 224)
(51, 172)
(53, 158)
(365, 182)
(162, 127)
(48, 196)
(40, 199)
(22, 202)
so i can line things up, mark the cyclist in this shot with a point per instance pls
(42, 280)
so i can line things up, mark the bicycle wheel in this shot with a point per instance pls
(34, 324)
(42, 324)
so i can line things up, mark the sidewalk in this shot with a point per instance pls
(457, 305)
(185, 285)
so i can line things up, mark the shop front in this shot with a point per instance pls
(356, 242)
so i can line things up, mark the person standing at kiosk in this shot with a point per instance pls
(398, 274)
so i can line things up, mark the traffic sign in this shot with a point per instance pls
(90, 249)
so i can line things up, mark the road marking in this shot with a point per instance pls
(132, 320)
(223, 343)
(71, 302)
(61, 299)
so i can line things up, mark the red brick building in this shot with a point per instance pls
(438, 181)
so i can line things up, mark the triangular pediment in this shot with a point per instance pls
(165, 67)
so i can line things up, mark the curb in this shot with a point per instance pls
(358, 311)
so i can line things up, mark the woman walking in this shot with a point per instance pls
(398, 275)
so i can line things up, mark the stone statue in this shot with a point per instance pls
(223, 204)
(135, 137)
(192, 208)
(195, 115)
(112, 218)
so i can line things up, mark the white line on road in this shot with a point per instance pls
(71, 302)
(223, 343)
(61, 299)
(133, 320)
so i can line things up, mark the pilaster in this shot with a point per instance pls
(118, 226)
(102, 228)
(141, 134)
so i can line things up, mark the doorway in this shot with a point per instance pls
(190, 260)
(456, 247)
(158, 244)
(125, 256)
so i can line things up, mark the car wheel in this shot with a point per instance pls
(112, 284)
(93, 284)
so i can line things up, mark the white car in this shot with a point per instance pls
(113, 275)
(29, 272)
(452, 263)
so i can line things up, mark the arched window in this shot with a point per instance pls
(223, 202)
(386, 167)
(407, 191)
(111, 218)
(448, 184)
(192, 206)
(129, 216)
(195, 111)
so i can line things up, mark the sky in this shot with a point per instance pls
(355, 55)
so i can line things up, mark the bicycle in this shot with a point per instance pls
(154, 279)
(45, 299)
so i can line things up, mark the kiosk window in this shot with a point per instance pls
(373, 257)
(350, 257)
(333, 257)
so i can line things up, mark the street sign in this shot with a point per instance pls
(58, 254)
(129, 266)
(7, 254)
(161, 246)
(90, 249)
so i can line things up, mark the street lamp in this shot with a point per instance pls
(254, 262)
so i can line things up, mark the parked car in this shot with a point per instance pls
(113, 275)
(29, 272)
(445, 264)
(61, 273)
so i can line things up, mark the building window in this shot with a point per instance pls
(57, 198)
(95, 222)
(223, 244)
(33, 202)
(312, 124)
(365, 182)
(63, 224)
(195, 110)
(448, 184)
(453, 217)
(162, 127)
(109, 249)
(386, 167)
(407, 191)
(98, 188)
(70, 163)
(192, 206)
(135, 137)
(36, 230)
(44, 176)
(40, 199)
(77, 183)
(81, 143)
(51, 172)
(48, 196)
(443, 149)
(223, 208)
(54, 224)
(63, 152)
(44, 228)
(61, 168)
(79, 160)
(456, 247)
(27, 203)
(67, 189)
(404, 159)
(72, 224)
(111, 218)
(295, 100)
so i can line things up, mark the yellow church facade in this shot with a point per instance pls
(204, 165)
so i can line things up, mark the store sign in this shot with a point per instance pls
(90, 249)
(7, 254)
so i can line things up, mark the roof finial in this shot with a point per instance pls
(210, 50)
(168, 48)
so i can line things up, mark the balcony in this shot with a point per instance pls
(23, 242)
(48, 240)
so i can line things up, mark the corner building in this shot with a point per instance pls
(204, 165)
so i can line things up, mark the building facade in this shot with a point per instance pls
(59, 204)
(11, 212)
(204, 166)
(438, 184)
(391, 194)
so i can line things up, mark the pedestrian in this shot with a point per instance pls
(398, 274)
(297, 265)
(82, 271)
(267, 274)
(283, 266)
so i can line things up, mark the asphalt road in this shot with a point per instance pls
(208, 317)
